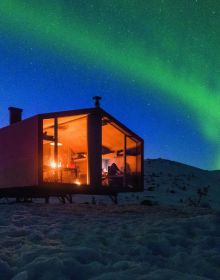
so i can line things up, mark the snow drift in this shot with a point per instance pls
(108, 242)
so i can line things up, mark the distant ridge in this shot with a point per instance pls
(172, 162)
(172, 182)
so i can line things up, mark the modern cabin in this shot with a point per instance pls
(84, 151)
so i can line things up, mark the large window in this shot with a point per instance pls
(113, 163)
(133, 161)
(50, 172)
(65, 150)
(121, 156)
(65, 153)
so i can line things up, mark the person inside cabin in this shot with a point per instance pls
(115, 175)
(113, 170)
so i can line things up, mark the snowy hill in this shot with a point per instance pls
(170, 182)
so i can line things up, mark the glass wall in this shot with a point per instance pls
(65, 150)
(49, 165)
(65, 153)
(121, 156)
(73, 152)
(113, 160)
(133, 163)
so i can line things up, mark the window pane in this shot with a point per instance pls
(132, 162)
(112, 154)
(73, 149)
(49, 166)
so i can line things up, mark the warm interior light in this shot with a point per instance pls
(54, 165)
(77, 182)
(58, 144)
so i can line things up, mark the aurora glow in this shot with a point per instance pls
(171, 47)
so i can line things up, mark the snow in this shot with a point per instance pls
(101, 242)
(173, 183)
(169, 240)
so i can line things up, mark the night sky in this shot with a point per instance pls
(156, 63)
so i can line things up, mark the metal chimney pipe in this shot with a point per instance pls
(97, 101)
(15, 115)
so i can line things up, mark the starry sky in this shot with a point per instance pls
(156, 64)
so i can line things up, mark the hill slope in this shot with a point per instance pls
(170, 182)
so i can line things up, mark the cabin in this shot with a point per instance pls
(84, 151)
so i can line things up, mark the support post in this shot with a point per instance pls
(62, 199)
(125, 167)
(69, 198)
(95, 148)
(114, 198)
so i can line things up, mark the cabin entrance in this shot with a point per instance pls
(65, 150)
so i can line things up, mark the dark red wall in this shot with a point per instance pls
(19, 154)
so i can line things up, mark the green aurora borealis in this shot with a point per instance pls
(173, 46)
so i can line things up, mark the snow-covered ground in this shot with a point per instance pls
(127, 241)
(82, 241)
(173, 183)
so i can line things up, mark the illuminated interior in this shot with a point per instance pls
(121, 156)
(65, 153)
(133, 161)
(65, 150)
